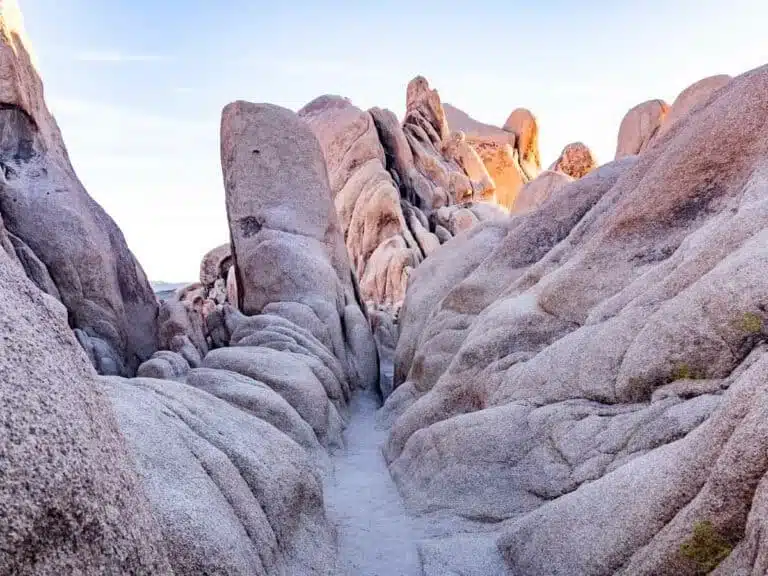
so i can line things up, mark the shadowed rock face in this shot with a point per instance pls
(68, 245)
(591, 390)
(70, 500)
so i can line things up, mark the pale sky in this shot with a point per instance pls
(137, 86)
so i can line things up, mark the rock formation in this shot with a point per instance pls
(646, 124)
(389, 181)
(587, 394)
(378, 238)
(578, 387)
(522, 123)
(66, 242)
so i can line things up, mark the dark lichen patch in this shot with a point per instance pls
(250, 226)
(706, 547)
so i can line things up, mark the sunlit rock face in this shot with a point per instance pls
(587, 393)
(639, 127)
(66, 242)
(390, 180)
(648, 123)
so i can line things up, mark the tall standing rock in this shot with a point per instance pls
(426, 129)
(287, 244)
(522, 123)
(59, 231)
(69, 498)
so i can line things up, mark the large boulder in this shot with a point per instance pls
(215, 265)
(535, 193)
(639, 127)
(503, 165)
(69, 497)
(65, 238)
(591, 390)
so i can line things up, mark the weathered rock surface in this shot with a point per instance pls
(232, 493)
(70, 500)
(66, 240)
(535, 193)
(576, 160)
(590, 390)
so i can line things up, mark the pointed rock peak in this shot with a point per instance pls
(20, 84)
(420, 98)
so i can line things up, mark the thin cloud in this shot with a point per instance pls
(116, 57)
(311, 68)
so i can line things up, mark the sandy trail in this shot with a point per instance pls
(376, 535)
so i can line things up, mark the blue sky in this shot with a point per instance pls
(138, 85)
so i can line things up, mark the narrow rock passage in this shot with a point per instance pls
(376, 536)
